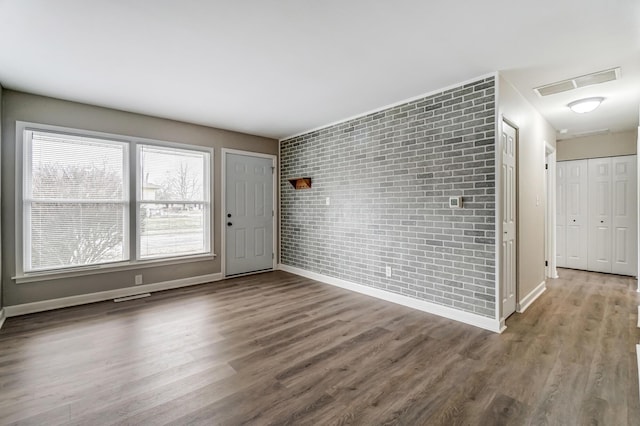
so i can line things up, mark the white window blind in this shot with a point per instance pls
(75, 201)
(173, 202)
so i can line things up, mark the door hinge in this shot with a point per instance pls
(273, 255)
(273, 169)
(546, 263)
(273, 213)
(546, 166)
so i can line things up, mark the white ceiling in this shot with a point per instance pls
(276, 68)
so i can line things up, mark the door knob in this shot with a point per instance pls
(602, 221)
(229, 224)
(228, 214)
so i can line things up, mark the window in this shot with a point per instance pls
(75, 201)
(173, 202)
(77, 207)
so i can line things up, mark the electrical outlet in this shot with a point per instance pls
(388, 271)
(139, 279)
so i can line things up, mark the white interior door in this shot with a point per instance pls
(249, 213)
(624, 257)
(561, 214)
(599, 246)
(509, 241)
(577, 214)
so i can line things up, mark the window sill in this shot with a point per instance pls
(92, 270)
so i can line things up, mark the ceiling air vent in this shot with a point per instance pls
(577, 82)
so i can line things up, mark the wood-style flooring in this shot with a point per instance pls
(276, 348)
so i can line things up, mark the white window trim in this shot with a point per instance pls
(207, 202)
(25, 277)
(108, 267)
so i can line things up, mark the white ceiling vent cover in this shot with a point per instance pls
(577, 82)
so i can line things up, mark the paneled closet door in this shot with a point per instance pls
(577, 214)
(561, 214)
(600, 226)
(624, 208)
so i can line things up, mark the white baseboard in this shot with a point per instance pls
(64, 302)
(2, 318)
(531, 297)
(490, 324)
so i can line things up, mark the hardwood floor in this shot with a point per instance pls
(276, 348)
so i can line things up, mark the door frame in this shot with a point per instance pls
(223, 209)
(550, 218)
(499, 218)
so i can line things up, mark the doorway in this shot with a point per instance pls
(248, 207)
(550, 211)
(508, 153)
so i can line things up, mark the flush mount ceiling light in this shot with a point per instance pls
(585, 105)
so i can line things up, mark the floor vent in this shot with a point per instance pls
(578, 82)
(135, 296)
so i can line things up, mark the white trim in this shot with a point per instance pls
(3, 317)
(107, 268)
(638, 356)
(639, 316)
(498, 200)
(531, 297)
(421, 305)
(394, 104)
(82, 299)
(550, 211)
(223, 208)
(278, 222)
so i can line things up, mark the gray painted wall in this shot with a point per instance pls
(596, 146)
(533, 134)
(32, 108)
(389, 176)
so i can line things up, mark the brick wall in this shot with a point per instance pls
(388, 176)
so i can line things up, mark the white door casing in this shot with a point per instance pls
(550, 211)
(248, 212)
(509, 225)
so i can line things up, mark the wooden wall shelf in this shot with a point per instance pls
(301, 182)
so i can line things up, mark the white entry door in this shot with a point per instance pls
(249, 213)
(509, 180)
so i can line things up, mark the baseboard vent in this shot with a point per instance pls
(135, 296)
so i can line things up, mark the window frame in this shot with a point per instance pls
(133, 167)
(27, 177)
(207, 203)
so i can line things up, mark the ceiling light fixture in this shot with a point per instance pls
(585, 105)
